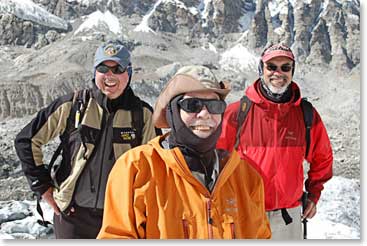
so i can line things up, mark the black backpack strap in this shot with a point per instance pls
(69, 124)
(41, 221)
(245, 105)
(307, 110)
(137, 118)
(80, 100)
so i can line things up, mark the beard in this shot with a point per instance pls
(275, 89)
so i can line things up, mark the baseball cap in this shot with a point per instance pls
(112, 50)
(277, 50)
(194, 78)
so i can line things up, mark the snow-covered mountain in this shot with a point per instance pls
(28, 10)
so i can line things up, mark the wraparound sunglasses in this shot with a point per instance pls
(195, 105)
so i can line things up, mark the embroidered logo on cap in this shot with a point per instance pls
(110, 50)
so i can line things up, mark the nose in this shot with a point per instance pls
(109, 73)
(204, 113)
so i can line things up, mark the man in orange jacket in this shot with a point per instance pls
(178, 185)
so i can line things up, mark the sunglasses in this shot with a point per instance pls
(285, 67)
(102, 68)
(195, 105)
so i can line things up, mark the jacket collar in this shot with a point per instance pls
(127, 100)
(175, 160)
(254, 94)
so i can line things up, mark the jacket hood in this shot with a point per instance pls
(254, 94)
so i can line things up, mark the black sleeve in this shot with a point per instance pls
(47, 120)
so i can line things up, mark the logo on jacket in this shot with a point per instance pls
(290, 136)
(231, 205)
(128, 135)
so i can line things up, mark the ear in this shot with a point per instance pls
(294, 66)
(129, 70)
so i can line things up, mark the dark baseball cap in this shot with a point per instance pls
(112, 50)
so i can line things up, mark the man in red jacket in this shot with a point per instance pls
(273, 136)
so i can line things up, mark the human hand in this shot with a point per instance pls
(49, 198)
(310, 210)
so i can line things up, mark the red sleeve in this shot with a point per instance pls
(227, 138)
(320, 157)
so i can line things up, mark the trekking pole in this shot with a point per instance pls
(304, 221)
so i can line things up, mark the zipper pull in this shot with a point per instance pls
(210, 220)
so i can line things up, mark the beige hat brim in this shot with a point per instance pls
(181, 84)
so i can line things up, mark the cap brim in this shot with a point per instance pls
(116, 59)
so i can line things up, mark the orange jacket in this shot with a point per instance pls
(152, 194)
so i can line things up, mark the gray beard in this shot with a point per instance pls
(273, 92)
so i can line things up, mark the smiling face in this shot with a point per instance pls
(112, 85)
(202, 124)
(278, 80)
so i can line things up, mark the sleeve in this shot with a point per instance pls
(124, 214)
(227, 138)
(320, 157)
(48, 123)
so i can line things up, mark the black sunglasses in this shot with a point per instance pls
(102, 68)
(195, 105)
(285, 67)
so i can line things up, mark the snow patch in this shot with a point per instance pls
(209, 46)
(28, 10)
(204, 11)
(246, 19)
(238, 58)
(107, 20)
(338, 211)
(144, 26)
(278, 7)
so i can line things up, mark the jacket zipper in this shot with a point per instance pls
(210, 220)
(103, 154)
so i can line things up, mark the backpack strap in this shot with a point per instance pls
(307, 110)
(80, 100)
(137, 117)
(245, 105)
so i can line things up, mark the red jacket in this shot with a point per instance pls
(273, 136)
